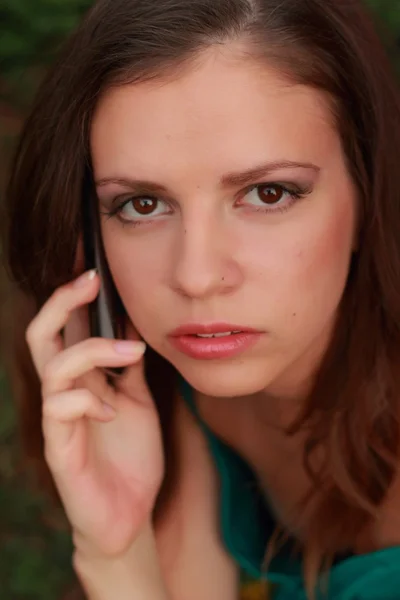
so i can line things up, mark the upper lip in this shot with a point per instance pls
(193, 328)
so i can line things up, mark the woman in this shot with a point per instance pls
(242, 155)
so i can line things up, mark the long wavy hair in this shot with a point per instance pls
(352, 413)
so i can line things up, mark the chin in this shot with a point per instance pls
(226, 379)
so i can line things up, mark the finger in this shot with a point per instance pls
(43, 334)
(63, 369)
(72, 405)
(133, 382)
(61, 414)
(77, 329)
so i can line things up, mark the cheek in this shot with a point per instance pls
(321, 260)
(320, 265)
(137, 272)
(302, 268)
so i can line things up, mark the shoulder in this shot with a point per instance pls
(193, 559)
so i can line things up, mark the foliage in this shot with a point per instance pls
(32, 31)
(388, 11)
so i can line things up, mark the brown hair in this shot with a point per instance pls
(352, 413)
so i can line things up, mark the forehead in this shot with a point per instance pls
(222, 112)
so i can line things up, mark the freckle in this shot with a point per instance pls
(294, 314)
(223, 279)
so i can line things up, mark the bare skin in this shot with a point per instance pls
(272, 254)
(103, 442)
(193, 559)
(277, 462)
(205, 250)
(107, 445)
(83, 449)
(208, 247)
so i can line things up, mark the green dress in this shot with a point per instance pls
(247, 524)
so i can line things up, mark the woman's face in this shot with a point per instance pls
(237, 212)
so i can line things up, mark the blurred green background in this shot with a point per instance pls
(35, 548)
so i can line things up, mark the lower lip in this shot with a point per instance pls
(216, 347)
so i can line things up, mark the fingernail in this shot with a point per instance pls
(109, 409)
(130, 348)
(85, 278)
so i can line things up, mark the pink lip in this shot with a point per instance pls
(185, 340)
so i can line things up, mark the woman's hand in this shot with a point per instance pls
(103, 445)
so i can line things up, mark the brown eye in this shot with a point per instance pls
(270, 194)
(144, 206)
(270, 197)
(142, 209)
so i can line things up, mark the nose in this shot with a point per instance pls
(205, 264)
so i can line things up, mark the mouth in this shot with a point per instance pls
(215, 335)
(211, 329)
(213, 341)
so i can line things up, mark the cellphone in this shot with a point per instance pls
(102, 311)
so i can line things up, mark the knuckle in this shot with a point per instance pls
(48, 407)
(30, 333)
(33, 331)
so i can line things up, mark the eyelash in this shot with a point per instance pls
(295, 193)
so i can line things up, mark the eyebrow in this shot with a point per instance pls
(228, 180)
